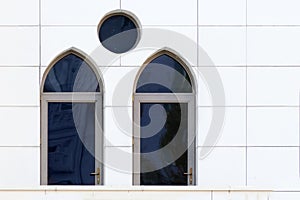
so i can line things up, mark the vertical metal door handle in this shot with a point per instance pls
(190, 174)
(97, 173)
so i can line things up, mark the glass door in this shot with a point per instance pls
(166, 158)
(71, 144)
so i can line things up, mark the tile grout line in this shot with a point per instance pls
(158, 25)
(40, 45)
(246, 54)
(136, 66)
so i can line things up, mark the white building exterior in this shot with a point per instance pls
(253, 44)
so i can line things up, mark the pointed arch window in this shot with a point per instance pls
(164, 122)
(71, 121)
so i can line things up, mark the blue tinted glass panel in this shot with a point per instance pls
(71, 143)
(71, 74)
(166, 129)
(118, 33)
(164, 75)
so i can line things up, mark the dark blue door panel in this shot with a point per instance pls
(71, 126)
(163, 126)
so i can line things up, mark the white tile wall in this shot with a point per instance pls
(118, 83)
(233, 132)
(19, 166)
(223, 167)
(55, 40)
(118, 166)
(19, 86)
(268, 12)
(273, 126)
(18, 12)
(225, 46)
(19, 46)
(233, 81)
(182, 40)
(117, 126)
(225, 40)
(167, 12)
(137, 57)
(19, 126)
(273, 46)
(273, 86)
(273, 167)
(220, 12)
(70, 12)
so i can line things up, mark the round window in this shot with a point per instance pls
(118, 32)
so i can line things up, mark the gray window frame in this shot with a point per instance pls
(76, 97)
(189, 98)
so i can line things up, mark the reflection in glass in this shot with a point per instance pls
(71, 74)
(172, 133)
(118, 33)
(164, 75)
(70, 127)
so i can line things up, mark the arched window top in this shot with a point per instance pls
(71, 72)
(164, 72)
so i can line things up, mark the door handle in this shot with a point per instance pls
(190, 174)
(97, 174)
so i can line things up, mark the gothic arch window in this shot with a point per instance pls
(71, 121)
(164, 121)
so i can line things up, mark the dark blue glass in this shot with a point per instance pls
(71, 143)
(153, 140)
(71, 74)
(164, 75)
(118, 33)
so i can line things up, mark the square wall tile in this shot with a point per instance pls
(220, 12)
(118, 83)
(55, 40)
(181, 40)
(232, 130)
(118, 126)
(136, 57)
(273, 167)
(222, 46)
(19, 46)
(273, 46)
(223, 167)
(118, 166)
(20, 166)
(76, 12)
(222, 86)
(20, 126)
(268, 12)
(19, 86)
(273, 86)
(167, 12)
(19, 12)
(273, 126)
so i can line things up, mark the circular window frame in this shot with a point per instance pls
(127, 14)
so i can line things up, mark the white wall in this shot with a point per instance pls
(254, 45)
